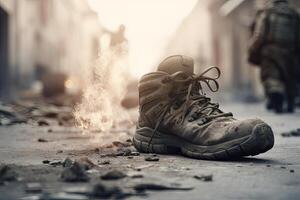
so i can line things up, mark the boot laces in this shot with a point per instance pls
(193, 98)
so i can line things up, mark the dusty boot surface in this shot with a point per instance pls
(175, 116)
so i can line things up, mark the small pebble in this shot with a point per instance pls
(43, 123)
(113, 175)
(134, 153)
(152, 158)
(105, 162)
(46, 161)
(42, 140)
(204, 178)
(292, 171)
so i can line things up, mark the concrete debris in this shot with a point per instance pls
(137, 176)
(75, 173)
(205, 178)
(43, 123)
(7, 174)
(103, 191)
(42, 140)
(158, 187)
(39, 111)
(56, 163)
(113, 175)
(152, 158)
(293, 133)
(46, 161)
(134, 153)
(67, 163)
(105, 162)
(124, 152)
(33, 188)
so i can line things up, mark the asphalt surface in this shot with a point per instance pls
(272, 175)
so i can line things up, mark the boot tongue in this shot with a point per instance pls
(177, 63)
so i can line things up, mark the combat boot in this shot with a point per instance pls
(175, 116)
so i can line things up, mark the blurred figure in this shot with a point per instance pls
(118, 37)
(274, 46)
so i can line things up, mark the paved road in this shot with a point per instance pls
(273, 175)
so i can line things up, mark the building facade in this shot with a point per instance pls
(61, 36)
(217, 32)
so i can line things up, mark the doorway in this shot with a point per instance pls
(4, 56)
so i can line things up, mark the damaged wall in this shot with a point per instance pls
(56, 35)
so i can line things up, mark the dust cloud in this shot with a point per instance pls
(100, 110)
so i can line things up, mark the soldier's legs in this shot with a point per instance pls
(274, 86)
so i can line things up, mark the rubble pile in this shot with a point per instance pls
(41, 113)
(292, 133)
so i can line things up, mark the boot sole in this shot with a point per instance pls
(259, 141)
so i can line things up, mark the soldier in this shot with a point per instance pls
(274, 46)
(176, 116)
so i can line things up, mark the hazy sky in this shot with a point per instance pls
(149, 25)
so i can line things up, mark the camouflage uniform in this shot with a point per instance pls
(274, 46)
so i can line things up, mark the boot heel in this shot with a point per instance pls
(142, 139)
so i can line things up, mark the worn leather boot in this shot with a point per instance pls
(175, 116)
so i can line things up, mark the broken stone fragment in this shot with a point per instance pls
(42, 140)
(121, 144)
(205, 178)
(152, 158)
(134, 153)
(43, 123)
(67, 162)
(7, 174)
(46, 161)
(75, 173)
(105, 162)
(55, 163)
(293, 133)
(155, 186)
(51, 114)
(123, 152)
(113, 175)
(102, 191)
(137, 176)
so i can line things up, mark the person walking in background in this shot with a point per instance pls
(274, 46)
